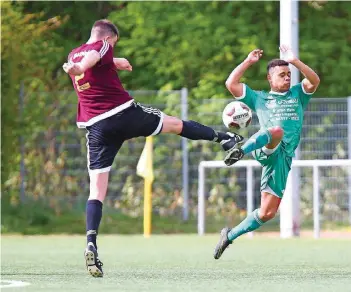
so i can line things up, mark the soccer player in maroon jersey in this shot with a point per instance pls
(111, 116)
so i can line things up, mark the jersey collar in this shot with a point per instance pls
(278, 93)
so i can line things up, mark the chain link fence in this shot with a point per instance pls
(55, 167)
(325, 135)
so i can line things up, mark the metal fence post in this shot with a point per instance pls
(185, 160)
(201, 203)
(249, 190)
(349, 150)
(316, 221)
(21, 143)
(289, 35)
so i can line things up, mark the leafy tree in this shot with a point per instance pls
(170, 45)
(23, 41)
(197, 44)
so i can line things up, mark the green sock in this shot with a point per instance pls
(257, 141)
(250, 223)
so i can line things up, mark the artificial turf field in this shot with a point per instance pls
(178, 263)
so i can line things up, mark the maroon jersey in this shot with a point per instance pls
(100, 92)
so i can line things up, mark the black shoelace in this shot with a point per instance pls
(99, 263)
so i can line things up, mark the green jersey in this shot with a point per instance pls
(280, 109)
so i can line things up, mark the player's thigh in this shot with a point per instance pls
(275, 174)
(103, 143)
(267, 156)
(142, 121)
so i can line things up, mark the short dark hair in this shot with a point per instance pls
(105, 27)
(276, 62)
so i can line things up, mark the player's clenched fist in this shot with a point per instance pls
(254, 56)
(122, 64)
(72, 68)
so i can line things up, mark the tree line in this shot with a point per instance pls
(170, 45)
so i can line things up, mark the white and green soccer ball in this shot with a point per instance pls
(237, 115)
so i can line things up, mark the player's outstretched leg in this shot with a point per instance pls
(258, 140)
(98, 188)
(195, 131)
(250, 223)
(269, 207)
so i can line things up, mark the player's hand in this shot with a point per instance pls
(122, 64)
(287, 54)
(254, 56)
(72, 68)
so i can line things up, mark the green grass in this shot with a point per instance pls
(178, 263)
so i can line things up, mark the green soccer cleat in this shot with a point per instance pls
(222, 244)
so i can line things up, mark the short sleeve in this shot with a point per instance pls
(249, 97)
(105, 51)
(304, 96)
(70, 57)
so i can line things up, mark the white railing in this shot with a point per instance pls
(250, 164)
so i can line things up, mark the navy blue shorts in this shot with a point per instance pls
(105, 137)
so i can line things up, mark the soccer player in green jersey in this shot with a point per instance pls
(280, 114)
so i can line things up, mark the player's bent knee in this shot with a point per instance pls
(98, 186)
(267, 215)
(97, 196)
(172, 125)
(277, 133)
(97, 193)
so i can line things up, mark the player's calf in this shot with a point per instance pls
(250, 223)
(195, 131)
(267, 215)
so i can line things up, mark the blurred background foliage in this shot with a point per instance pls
(170, 45)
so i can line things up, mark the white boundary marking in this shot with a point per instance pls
(12, 284)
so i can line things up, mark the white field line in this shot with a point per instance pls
(12, 284)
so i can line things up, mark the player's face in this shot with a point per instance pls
(112, 40)
(279, 78)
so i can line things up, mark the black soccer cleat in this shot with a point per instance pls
(233, 148)
(222, 244)
(94, 265)
(233, 156)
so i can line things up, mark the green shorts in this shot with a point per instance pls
(276, 167)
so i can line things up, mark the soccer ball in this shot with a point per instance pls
(237, 115)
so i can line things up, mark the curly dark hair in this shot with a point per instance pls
(276, 62)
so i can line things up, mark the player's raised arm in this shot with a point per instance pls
(233, 82)
(311, 82)
(89, 60)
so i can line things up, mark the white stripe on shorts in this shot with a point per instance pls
(268, 151)
(88, 156)
(101, 170)
(159, 127)
(105, 169)
(150, 110)
(268, 190)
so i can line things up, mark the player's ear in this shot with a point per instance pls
(269, 78)
(111, 40)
